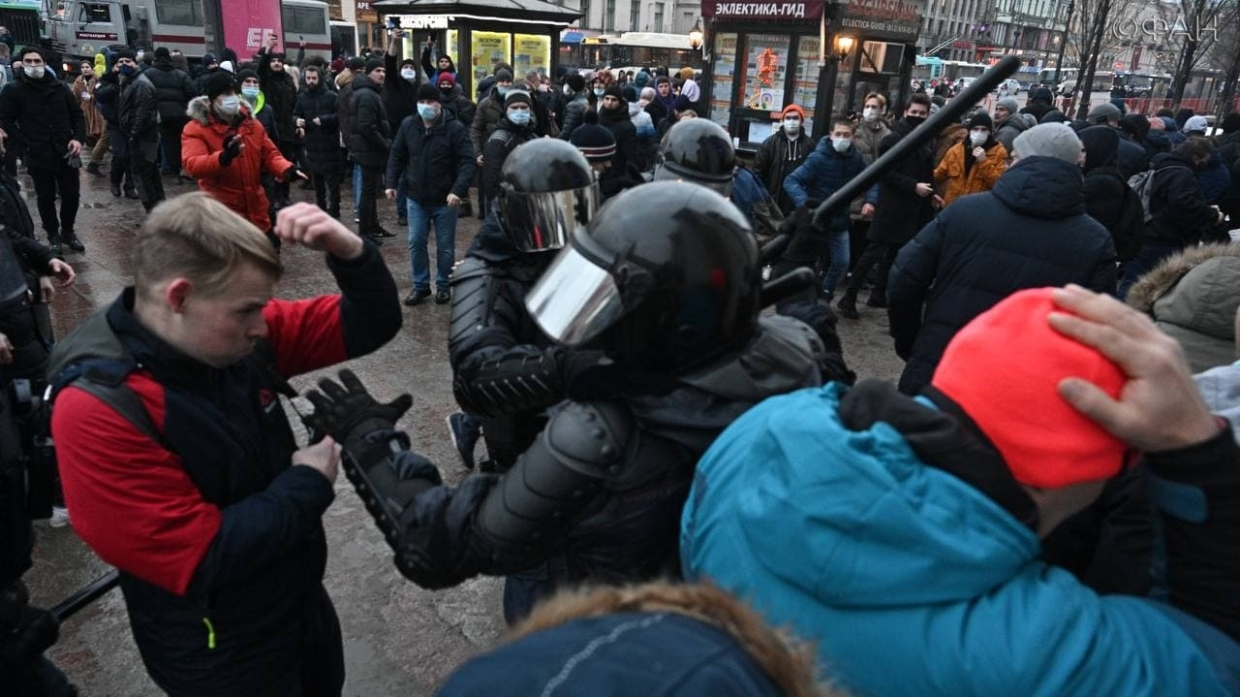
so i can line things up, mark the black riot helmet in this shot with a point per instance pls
(665, 279)
(698, 151)
(546, 191)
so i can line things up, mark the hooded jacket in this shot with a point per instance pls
(461, 108)
(322, 140)
(370, 139)
(1181, 216)
(41, 117)
(960, 175)
(486, 119)
(823, 172)
(1011, 127)
(574, 114)
(281, 93)
(905, 570)
(779, 156)
(1192, 296)
(399, 94)
(1029, 231)
(173, 89)
(1106, 189)
(239, 185)
(621, 126)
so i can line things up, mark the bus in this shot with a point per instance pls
(642, 48)
(1137, 85)
(1046, 78)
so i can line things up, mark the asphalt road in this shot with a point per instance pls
(399, 639)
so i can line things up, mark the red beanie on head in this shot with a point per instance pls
(1003, 369)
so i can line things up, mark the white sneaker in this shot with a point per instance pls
(60, 517)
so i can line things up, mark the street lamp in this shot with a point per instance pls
(843, 46)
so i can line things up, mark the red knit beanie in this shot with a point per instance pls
(1003, 369)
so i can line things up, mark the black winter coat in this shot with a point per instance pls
(621, 126)
(371, 138)
(1029, 231)
(1132, 156)
(281, 93)
(900, 212)
(323, 139)
(1181, 216)
(459, 105)
(777, 158)
(108, 98)
(173, 89)
(574, 114)
(1106, 189)
(139, 112)
(504, 140)
(40, 118)
(399, 94)
(433, 162)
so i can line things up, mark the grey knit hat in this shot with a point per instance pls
(1104, 113)
(1049, 140)
(1009, 104)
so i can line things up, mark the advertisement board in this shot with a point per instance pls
(248, 24)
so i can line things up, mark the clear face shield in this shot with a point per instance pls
(575, 300)
(537, 222)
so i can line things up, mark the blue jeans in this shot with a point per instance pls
(445, 244)
(524, 589)
(357, 189)
(837, 245)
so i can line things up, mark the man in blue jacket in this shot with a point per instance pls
(915, 568)
(830, 166)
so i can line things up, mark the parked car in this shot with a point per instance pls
(1012, 84)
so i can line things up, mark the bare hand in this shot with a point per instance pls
(453, 200)
(924, 189)
(317, 122)
(867, 210)
(47, 289)
(301, 123)
(6, 350)
(75, 148)
(390, 194)
(311, 227)
(480, 160)
(323, 457)
(979, 153)
(1159, 407)
(63, 272)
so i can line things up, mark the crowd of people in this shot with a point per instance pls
(1044, 504)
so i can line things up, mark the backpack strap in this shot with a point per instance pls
(105, 379)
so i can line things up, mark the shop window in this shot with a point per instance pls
(805, 87)
(722, 76)
(763, 71)
(530, 52)
(488, 49)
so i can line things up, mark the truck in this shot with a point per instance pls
(81, 28)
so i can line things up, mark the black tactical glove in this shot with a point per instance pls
(590, 375)
(231, 151)
(292, 174)
(348, 413)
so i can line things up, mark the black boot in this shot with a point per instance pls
(93, 168)
(131, 193)
(72, 241)
(848, 305)
(116, 190)
(53, 243)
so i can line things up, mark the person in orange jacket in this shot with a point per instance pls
(228, 151)
(974, 165)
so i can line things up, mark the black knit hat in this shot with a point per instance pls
(218, 83)
(246, 74)
(980, 119)
(517, 97)
(373, 65)
(630, 93)
(575, 82)
(429, 93)
(594, 141)
(503, 76)
(614, 91)
(356, 63)
(408, 61)
(162, 52)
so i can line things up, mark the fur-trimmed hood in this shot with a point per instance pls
(199, 109)
(1192, 296)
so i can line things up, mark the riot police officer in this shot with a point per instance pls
(666, 282)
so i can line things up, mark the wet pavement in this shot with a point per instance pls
(399, 638)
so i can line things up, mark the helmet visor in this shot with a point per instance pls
(670, 171)
(575, 300)
(537, 222)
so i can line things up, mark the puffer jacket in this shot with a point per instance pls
(503, 141)
(574, 114)
(486, 119)
(957, 176)
(778, 157)
(1029, 231)
(823, 172)
(1011, 127)
(912, 572)
(139, 109)
(459, 105)
(371, 137)
(281, 93)
(1181, 216)
(322, 140)
(41, 117)
(1192, 296)
(173, 89)
(239, 185)
(433, 161)
(647, 144)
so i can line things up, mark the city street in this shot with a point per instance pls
(399, 639)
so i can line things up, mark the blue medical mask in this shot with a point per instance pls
(599, 91)
(519, 117)
(250, 92)
(229, 104)
(503, 91)
(426, 111)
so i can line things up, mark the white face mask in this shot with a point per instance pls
(870, 114)
(978, 137)
(792, 125)
(568, 90)
(229, 105)
(841, 144)
(408, 73)
(34, 72)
